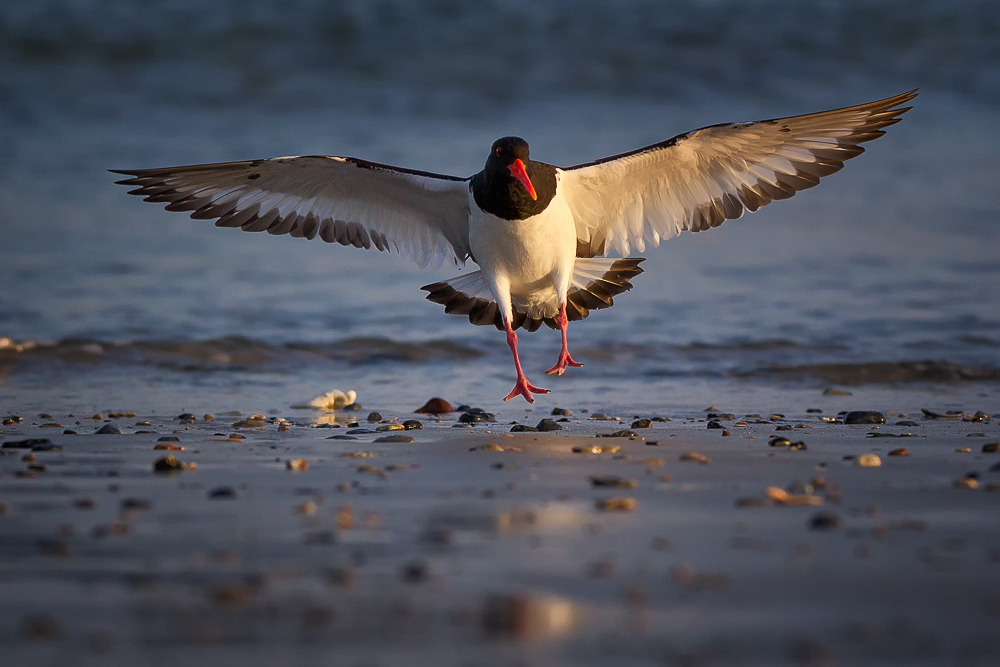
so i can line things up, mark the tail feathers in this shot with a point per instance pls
(594, 283)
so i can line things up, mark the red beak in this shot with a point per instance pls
(518, 172)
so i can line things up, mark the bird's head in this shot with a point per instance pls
(509, 159)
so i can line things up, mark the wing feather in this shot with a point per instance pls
(700, 179)
(341, 200)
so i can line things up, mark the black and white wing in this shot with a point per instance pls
(700, 179)
(339, 199)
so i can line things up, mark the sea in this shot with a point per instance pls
(887, 273)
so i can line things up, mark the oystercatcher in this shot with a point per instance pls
(539, 233)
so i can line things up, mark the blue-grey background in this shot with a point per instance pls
(895, 258)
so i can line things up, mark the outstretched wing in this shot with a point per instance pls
(700, 179)
(341, 200)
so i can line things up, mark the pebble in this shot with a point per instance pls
(491, 447)
(360, 431)
(782, 497)
(297, 465)
(222, 493)
(353, 407)
(523, 428)
(779, 441)
(546, 425)
(899, 451)
(186, 417)
(47, 447)
(864, 417)
(596, 449)
(476, 417)
(360, 455)
(869, 461)
(341, 437)
(168, 438)
(396, 438)
(13, 419)
(413, 425)
(374, 417)
(389, 427)
(136, 504)
(169, 464)
(308, 508)
(970, 482)
(617, 504)
(247, 423)
(121, 415)
(833, 391)
(26, 444)
(561, 412)
(613, 481)
(624, 433)
(825, 521)
(963, 450)
(109, 429)
(713, 424)
(209, 417)
(642, 423)
(435, 406)
(695, 457)
(991, 448)
(951, 414)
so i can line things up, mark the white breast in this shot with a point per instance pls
(534, 256)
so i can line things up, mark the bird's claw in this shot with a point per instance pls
(564, 361)
(525, 389)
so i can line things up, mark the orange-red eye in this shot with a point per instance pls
(499, 150)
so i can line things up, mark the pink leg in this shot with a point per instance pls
(564, 358)
(522, 387)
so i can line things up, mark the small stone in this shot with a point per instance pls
(47, 447)
(991, 448)
(963, 450)
(617, 504)
(284, 428)
(596, 449)
(561, 412)
(779, 441)
(642, 423)
(307, 508)
(396, 438)
(170, 464)
(899, 451)
(136, 504)
(168, 438)
(374, 417)
(435, 406)
(297, 465)
(222, 493)
(546, 425)
(249, 423)
(833, 391)
(389, 427)
(825, 521)
(413, 425)
(523, 428)
(726, 433)
(209, 417)
(906, 423)
(864, 417)
(814, 411)
(360, 455)
(121, 415)
(26, 444)
(624, 433)
(97, 417)
(186, 417)
(969, 482)
(696, 458)
(109, 429)
(353, 407)
(360, 431)
(714, 424)
(476, 417)
(869, 461)
(13, 419)
(613, 481)
(57, 548)
(341, 437)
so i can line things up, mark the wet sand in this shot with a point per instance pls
(476, 546)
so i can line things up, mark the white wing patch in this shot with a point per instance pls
(340, 200)
(699, 180)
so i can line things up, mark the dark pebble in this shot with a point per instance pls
(136, 504)
(121, 415)
(991, 448)
(906, 422)
(186, 417)
(341, 437)
(413, 425)
(435, 406)
(415, 573)
(396, 438)
(68, 432)
(26, 444)
(171, 438)
(614, 482)
(52, 547)
(49, 447)
(563, 419)
(110, 428)
(353, 407)
(13, 419)
(714, 424)
(642, 423)
(814, 411)
(168, 464)
(374, 417)
(825, 521)
(561, 412)
(864, 417)
(522, 428)
(783, 427)
(625, 433)
(222, 493)
(360, 431)
(723, 416)
(475, 417)
(833, 391)
(548, 425)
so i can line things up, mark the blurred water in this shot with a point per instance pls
(895, 258)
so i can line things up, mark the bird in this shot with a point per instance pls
(541, 235)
